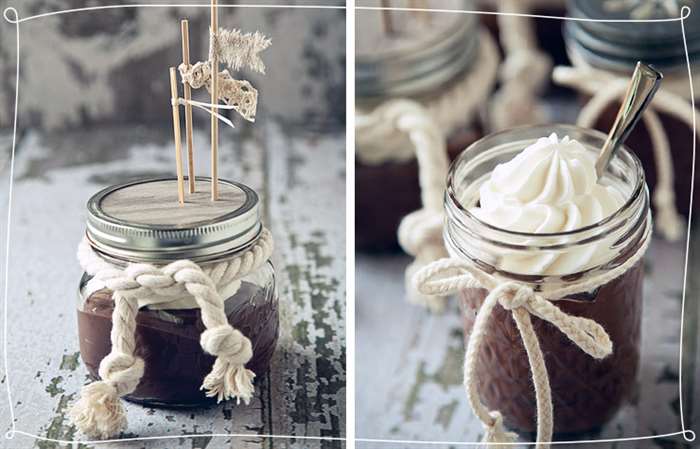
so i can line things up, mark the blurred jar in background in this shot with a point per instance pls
(447, 63)
(603, 54)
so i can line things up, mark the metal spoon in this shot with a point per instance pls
(644, 84)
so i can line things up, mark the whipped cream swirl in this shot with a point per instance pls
(550, 187)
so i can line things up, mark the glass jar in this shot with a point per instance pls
(141, 222)
(585, 392)
(445, 62)
(613, 48)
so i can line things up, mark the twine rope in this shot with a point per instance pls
(605, 88)
(99, 413)
(524, 72)
(451, 275)
(378, 140)
(417, 231)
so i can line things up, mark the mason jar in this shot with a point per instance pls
(613, 49)
(142, 222)
(445, 62)
(585, 392)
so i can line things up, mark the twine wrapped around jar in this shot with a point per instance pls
(98, 413)
(451, 275)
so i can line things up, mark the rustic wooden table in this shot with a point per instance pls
(301, 179)
(409, 362)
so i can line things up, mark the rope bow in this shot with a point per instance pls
(450, 275)
(99, 413)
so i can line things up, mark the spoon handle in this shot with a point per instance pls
(644, 84)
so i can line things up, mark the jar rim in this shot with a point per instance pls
(426, 65)
(161, 230)
(452, 199)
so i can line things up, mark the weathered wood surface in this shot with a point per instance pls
(409, 362)
(301, 182)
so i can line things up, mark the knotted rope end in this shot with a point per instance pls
(99, 412)
(229, 377)
(231, 381)
(497, 433)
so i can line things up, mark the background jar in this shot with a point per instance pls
(445, 62)
(141, 222)
(615, 48)
(585, 392)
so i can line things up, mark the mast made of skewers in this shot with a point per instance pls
(235, 49)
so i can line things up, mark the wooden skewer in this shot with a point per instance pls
(386, 18)
(184, 25)
(214, 100)
(176, 132)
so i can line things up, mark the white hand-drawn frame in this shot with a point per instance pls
(11, 15)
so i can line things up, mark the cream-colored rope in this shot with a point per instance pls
(524, 73)
(401, 129)
(99, 413)
(420, 232)
(605, 88)
(378, 141)
(451, 275)
(427, 141)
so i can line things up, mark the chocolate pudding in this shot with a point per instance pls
(585, 392)
(533, 211)
(168, 342)
(386, 193)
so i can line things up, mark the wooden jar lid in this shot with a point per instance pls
(143, 221)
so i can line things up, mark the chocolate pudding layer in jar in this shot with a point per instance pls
(141, 222)
(446, 63)
(526, 206)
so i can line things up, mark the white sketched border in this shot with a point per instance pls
(685, 432)
(11, 15)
